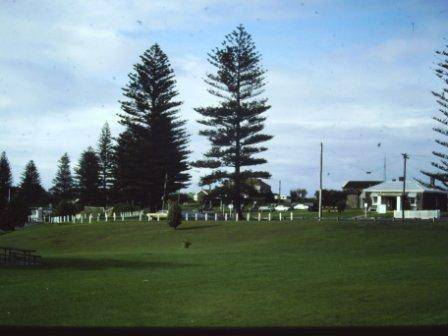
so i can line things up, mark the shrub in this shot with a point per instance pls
(174, 215)
(64, 208)
(125, 207)
(186, 243)
(14, 214)
(341, 205)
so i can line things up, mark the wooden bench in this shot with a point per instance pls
(17, 256)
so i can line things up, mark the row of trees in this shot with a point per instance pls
(149, 159)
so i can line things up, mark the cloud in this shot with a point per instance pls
(400, 49)
(66, 62)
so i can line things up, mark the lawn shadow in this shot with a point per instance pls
(99, 264)
(197, 227)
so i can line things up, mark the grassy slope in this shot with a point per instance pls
(234, 274)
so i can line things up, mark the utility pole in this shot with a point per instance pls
(320, 180)
(9, 195)
(164, 192)
(405, 157)
(384, 168)
(279, 190)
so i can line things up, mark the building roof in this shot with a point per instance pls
(359, 184)
(397, 186)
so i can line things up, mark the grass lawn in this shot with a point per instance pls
(286, 273)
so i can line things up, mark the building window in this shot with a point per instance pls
(375, 199)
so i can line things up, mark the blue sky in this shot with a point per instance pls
(349, 73)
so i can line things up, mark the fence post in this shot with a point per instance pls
(291, 215)
(115, 216)
(269, 216)
(216, 216)
(236, 216)
(195, 216)
(122, 217)
(259, 216)
(248, 216)
(225, 216)
(105, 217)
(90, 218)
(206, 216)
(158, 217)
(186, 216)
(140, 216)
(280, 216)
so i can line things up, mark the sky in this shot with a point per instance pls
(355, 75)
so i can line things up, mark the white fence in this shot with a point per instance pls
(420, 214)
(255, 216)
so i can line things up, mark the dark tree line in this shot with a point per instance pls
(148, 162)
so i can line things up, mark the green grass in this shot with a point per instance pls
(301, 273)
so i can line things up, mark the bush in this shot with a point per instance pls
(13, 214)
(341, 205)
(125, 207)
(174, 215)
(66, 208)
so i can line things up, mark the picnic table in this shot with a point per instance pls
(18, 256)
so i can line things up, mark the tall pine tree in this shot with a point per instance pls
(127, 187)
(63, 182)
(439, 177)
(88, 178)
(31, 191)
(106, 158)
(5, 179)
(151, 116)
(234, 127)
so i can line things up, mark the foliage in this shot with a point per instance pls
(174, 214)
(13, 214)
(88, 178)
(298, 195)
(63, 188)
(439, 177)
(5, 179)
(234, 126)
(341, 205)
(128, 174)
(332, 197)
(31, 191)
(65, 208)
(125, 207)
(106, 161)
(154, 133)
(184, 198)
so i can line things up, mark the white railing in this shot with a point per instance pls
(420, 214)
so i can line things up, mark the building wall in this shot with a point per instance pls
(352, 201)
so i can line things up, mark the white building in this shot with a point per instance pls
(387, 196)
